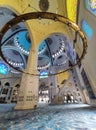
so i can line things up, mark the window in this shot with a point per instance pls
(71, 9)
(91, 6)
(3, 68)
(87, 29)
(43, 74)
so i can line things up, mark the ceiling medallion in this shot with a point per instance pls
(44, 15)
(44, 5)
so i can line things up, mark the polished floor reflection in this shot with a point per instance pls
(47, 117)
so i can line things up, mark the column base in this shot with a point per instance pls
(25, 107)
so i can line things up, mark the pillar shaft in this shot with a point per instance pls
(28, 94)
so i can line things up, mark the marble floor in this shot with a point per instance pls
(48, 117)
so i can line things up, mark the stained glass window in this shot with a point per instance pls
(3, 68)
(43, 74)
(91, 6)
(71, 9)
(87, 29)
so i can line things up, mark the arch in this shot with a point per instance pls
(7, 84)
(17, 85)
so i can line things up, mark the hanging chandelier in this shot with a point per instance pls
(40, 16)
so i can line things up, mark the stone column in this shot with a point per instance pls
(53, 90)
(28, 94)
(8, 95)
(54, 86)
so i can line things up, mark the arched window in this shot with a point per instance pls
(7, 84)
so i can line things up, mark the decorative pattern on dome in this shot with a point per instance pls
(42, 47)
(43, 62)
(61, 60)
(22, 42)
(14, 57)
(56, 45)
(44, 5)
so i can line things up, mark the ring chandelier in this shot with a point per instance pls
(44, 15)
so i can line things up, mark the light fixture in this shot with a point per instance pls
(44, 15)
